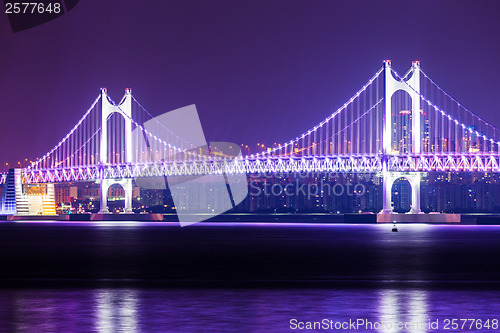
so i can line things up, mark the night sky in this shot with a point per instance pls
(258, 71)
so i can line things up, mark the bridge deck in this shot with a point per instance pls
(477, 162)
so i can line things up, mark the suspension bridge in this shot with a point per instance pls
(397, 126)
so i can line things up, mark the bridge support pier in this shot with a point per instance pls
(126, 183)
(413, 178)
(386, 194)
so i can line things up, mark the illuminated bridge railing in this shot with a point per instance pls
(473, 162)
(267, 165)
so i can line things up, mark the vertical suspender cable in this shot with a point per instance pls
(346, 136)
(358, 122)
(378, 141)
(327, 138)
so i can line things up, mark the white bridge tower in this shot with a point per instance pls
(412, 87)
(107, 109)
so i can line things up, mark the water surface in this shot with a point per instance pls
(148, 277)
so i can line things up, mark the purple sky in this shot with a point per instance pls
(279, 66)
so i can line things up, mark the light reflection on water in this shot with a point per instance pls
(232, 310)
(116, 310)
(402, 263)
(403, 306)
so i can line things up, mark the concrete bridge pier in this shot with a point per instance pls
(413, 178)
(126, 183)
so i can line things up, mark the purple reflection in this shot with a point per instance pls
(231, 310)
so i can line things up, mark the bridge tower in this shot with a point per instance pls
(412, 87)
(107, 109)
